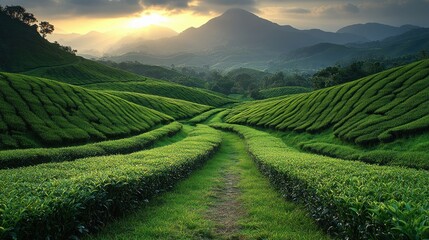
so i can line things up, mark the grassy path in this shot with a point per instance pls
(227, 199)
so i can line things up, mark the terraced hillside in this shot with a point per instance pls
(36, 112)
(175, 108)
(376, 109)
(282, 91)
(161, 88)
(84, 71)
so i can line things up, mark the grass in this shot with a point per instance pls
(176, 108)
(282, 91)
(37, 112)
(60, 200)
(348, 199)
(26, 157)
(165, 89)
(183, 212)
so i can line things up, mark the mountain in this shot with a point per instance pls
(328, 54)
(376, 31)
(236, 38)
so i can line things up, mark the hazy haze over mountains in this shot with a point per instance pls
(239, 38)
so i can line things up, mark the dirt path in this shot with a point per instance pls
(227, 209)
(227, 199)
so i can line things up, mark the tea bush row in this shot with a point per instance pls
(351, 200)
(26, 157)
(67, 199)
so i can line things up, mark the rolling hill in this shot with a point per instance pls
(165, 89)
(22, 48)
(36, 112)
(175, 108)
(376, 109)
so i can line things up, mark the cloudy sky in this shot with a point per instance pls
(82, 16)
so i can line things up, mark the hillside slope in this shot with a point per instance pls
(22, 48)
(375, 109)
(84, 71)
(165, 89)
(175, 108)
(36, 112)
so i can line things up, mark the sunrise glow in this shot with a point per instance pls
(146, 20)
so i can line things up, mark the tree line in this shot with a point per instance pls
(19, 13)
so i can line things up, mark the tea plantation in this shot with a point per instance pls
(36, 112)
(165, 89)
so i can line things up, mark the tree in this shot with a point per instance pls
(46, 28)
(16, 12)
(28, 18)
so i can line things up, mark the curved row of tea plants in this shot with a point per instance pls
(413, 159)
(282, 91)
(36, 112)
(349, 199)
(165, 89)
(62, 200)
(26, 157)
(84, 71)
(205, 115)
(378, 108)
(175, 108)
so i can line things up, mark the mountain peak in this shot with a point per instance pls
(237, 11)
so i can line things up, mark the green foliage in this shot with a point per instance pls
(206, 115)
(332, 76)
(376, 109)
(165, 89)
(175, 108)
(36, 112)
(349, 199)
(281, 91)
(26, 157)
(63, 200)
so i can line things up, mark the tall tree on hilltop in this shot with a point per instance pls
(46, 28)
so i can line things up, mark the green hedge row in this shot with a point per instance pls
(205, 115)
(27, 157)
(65, 200)
(412, 159)
(351, 200)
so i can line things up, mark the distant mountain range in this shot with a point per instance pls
(239, 38)
(327, 54)
(376, 31)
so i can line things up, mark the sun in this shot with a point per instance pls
(146, 20)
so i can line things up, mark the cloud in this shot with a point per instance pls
(336, 10)
(297, 10)
(96, 8)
